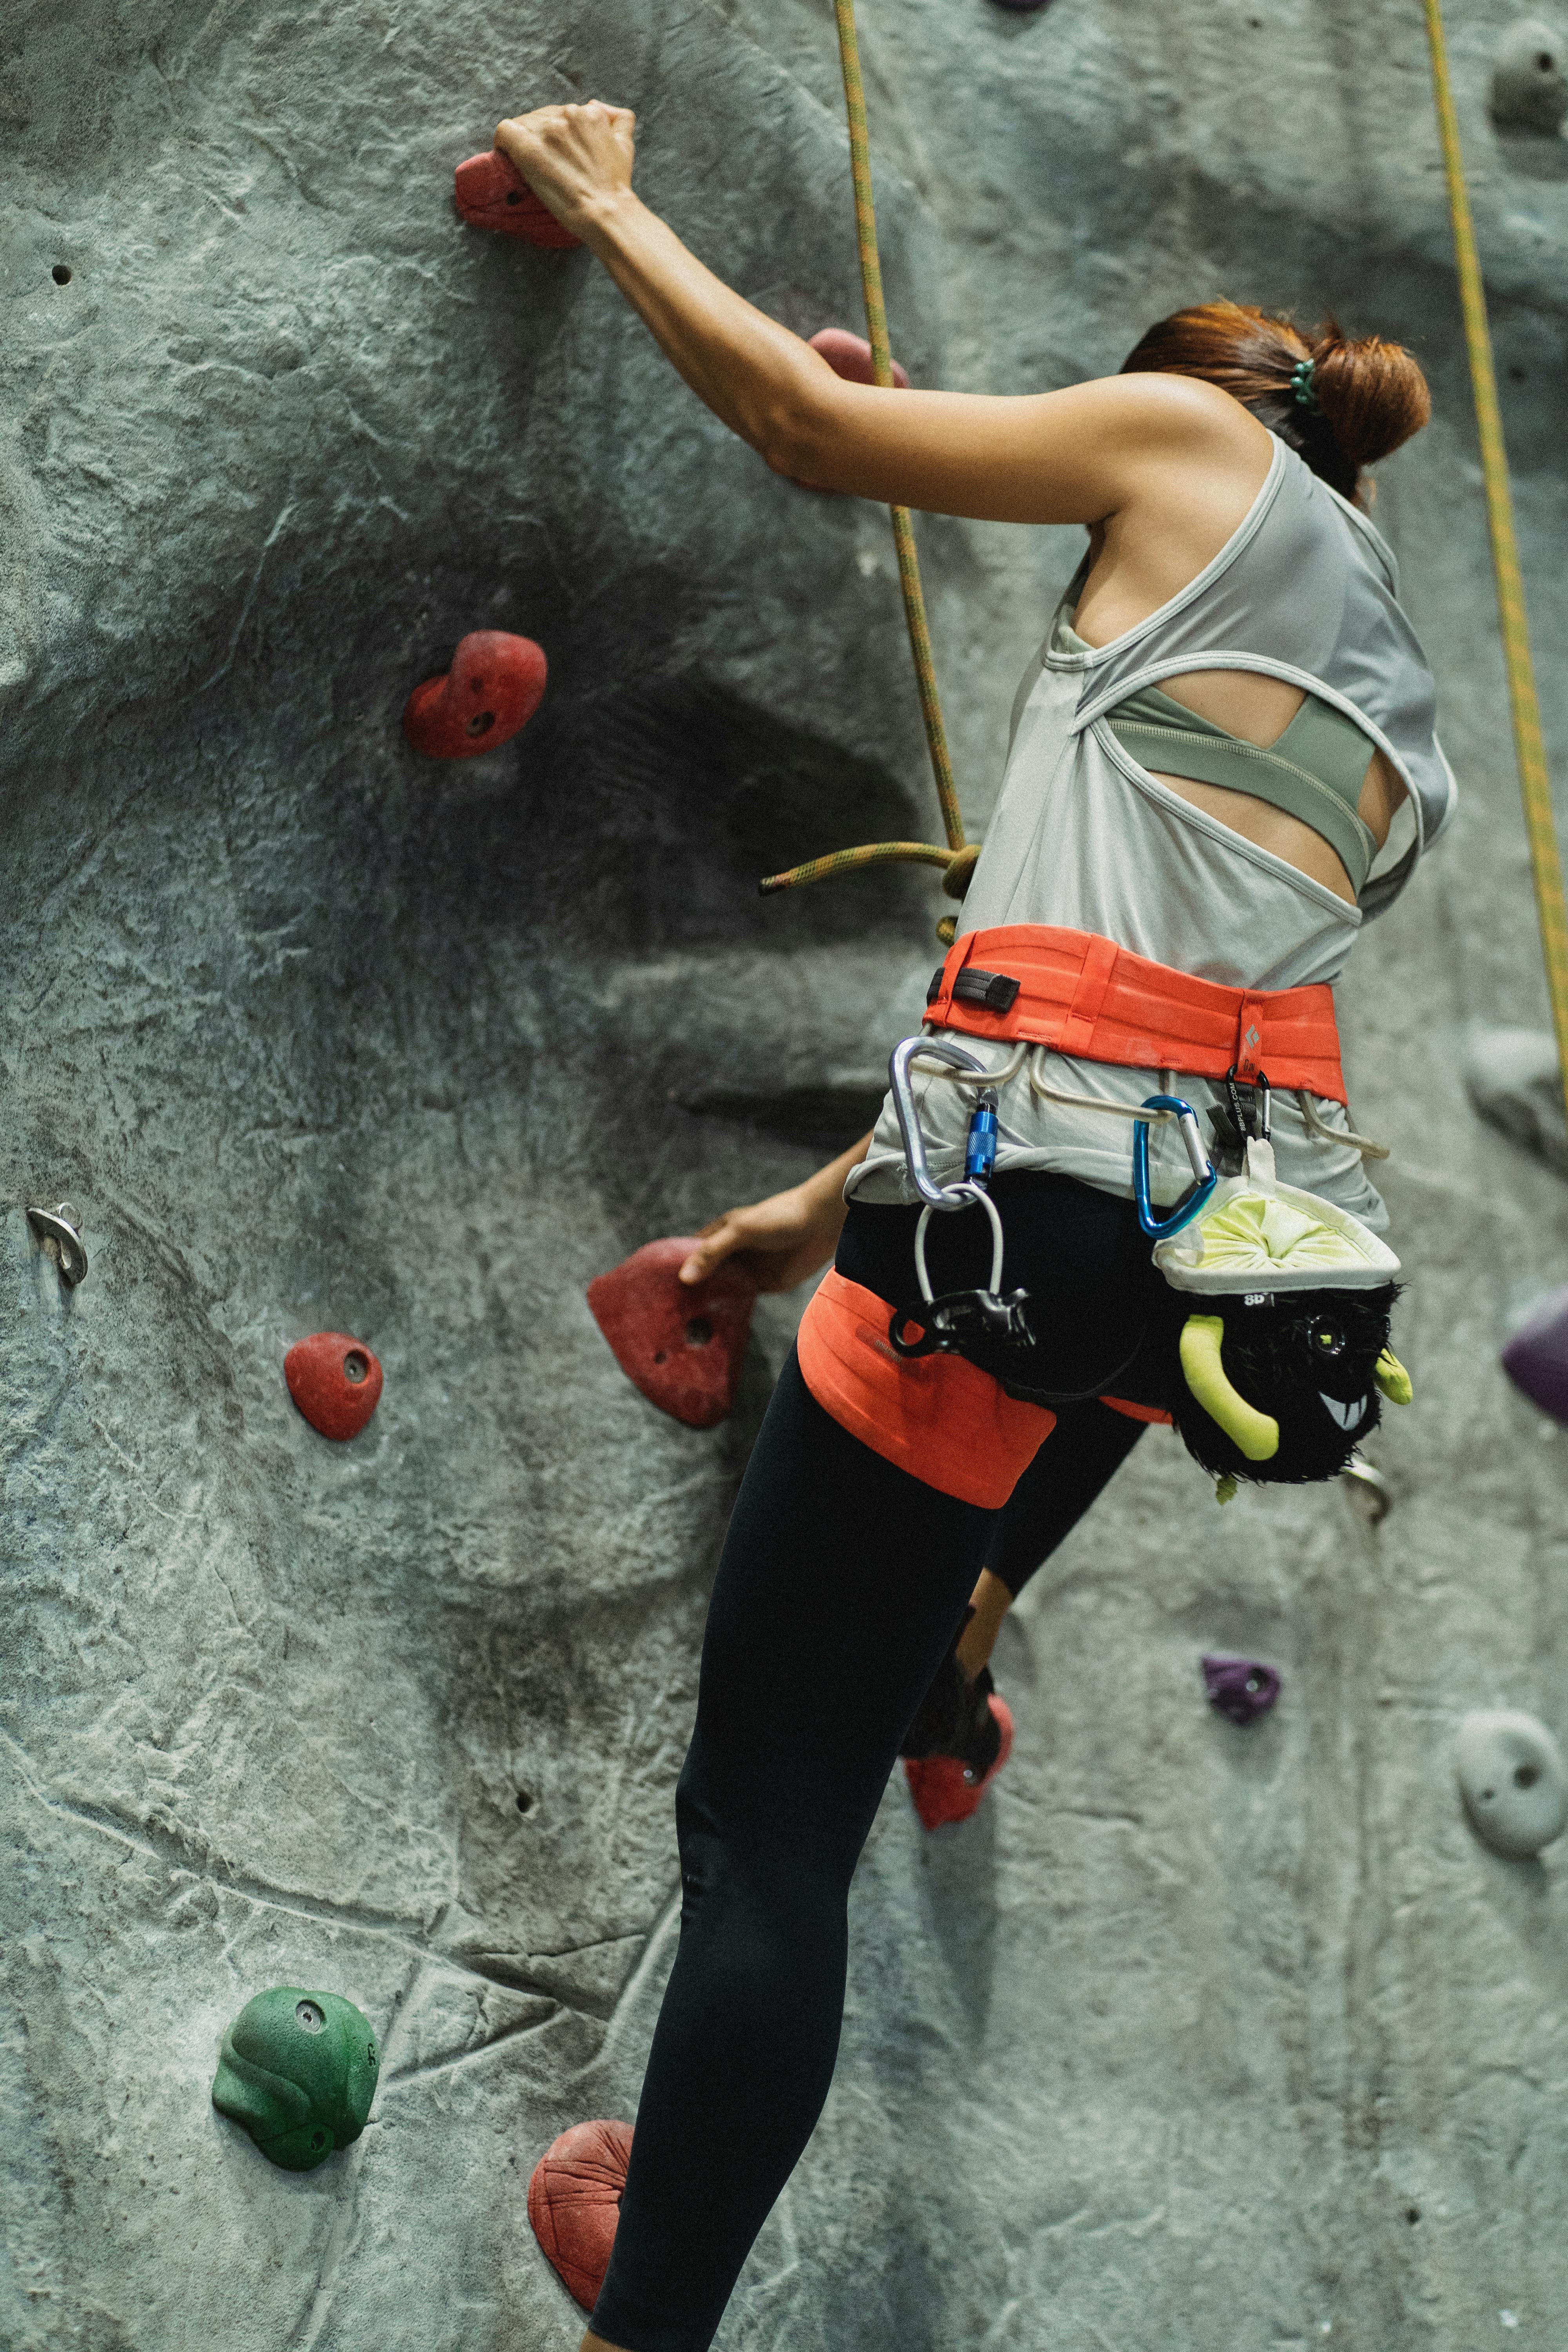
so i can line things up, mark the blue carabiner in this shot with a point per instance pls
(1204, 1174)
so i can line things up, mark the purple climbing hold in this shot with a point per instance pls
(1241, 1688)
(1536, 1358)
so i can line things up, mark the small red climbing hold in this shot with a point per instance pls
(335, 1381)
(681, 1343)
(491, 193)
(494, 686)
(574, 2203)
(942, 1789)
(850, 356)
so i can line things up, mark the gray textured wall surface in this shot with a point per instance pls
(1192, 2038)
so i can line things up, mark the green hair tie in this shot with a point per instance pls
(1301, 385)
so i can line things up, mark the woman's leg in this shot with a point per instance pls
(1073, 1467)
(841, 1583)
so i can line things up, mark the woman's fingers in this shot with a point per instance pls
(570, 153)
(716, 1242)
(769, 1232)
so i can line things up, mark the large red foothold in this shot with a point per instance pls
(850, 356)
(335, 1381)
(681, 1344)
(941, 1787)
(574, 2203)
(494, 686)
(491, 193)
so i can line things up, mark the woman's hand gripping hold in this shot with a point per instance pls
(576, 159)
(784, 1239)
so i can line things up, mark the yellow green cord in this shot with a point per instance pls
(1535, 785)
(850, 861)
(885, 853)
(882, 369)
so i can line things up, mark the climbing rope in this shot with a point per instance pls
(957, 860)
(1535, 783)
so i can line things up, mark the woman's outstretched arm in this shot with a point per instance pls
(1083, 455)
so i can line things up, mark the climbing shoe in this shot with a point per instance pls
(957, 1742)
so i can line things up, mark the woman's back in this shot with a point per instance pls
(1303, 594)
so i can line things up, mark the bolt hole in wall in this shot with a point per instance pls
(524, 1801)
(60, 273)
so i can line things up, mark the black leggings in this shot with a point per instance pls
(842, 1582)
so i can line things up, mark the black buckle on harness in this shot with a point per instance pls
(960, 1319)
(994, 991)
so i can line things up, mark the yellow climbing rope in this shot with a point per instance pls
(957, 861)
(1535, 783)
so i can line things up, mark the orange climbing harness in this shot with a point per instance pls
(1043, 984)
(939, 1418)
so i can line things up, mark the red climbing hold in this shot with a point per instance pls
(850, 356)
(491, 193)
(940, 1786)
(335, 1381)
(493, 687)
(681, 1344)
(574, 2203)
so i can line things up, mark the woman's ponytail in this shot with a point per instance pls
(1339, 405)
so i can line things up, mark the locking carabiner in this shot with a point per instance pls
(957, 1314)
(1204, 1174)
(940, 1197)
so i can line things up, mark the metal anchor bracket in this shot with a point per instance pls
(57, 1229)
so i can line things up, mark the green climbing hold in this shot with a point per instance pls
(297, 2070)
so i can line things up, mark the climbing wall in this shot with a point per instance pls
(1195, 2036)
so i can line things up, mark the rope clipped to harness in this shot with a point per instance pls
(957, 860)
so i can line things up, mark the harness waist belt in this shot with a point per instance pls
(1084, 996)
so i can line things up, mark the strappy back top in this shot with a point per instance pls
(1307, 590)
(1314, 771)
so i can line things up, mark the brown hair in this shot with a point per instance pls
(1371, 395)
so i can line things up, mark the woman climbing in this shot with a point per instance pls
(1207, 757)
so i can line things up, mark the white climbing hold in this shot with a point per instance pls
(1529, 79)
(1512, 1780)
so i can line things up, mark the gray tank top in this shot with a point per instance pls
(1085, 836)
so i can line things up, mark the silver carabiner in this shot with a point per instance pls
(940, 1197)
